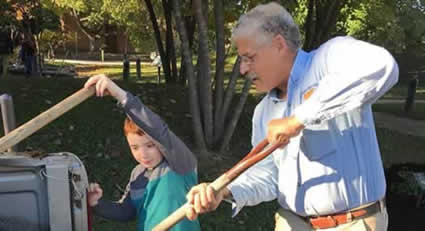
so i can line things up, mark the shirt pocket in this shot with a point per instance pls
(317, 142)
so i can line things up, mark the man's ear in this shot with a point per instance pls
(280, 42)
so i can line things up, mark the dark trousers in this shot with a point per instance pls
(28, 65)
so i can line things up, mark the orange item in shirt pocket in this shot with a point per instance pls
(308, 93)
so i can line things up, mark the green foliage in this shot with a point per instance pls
(8, 17)
(46, 19)
(51, 40)
(78, 5)
(131, 17)
(89, 12)
(376, 21)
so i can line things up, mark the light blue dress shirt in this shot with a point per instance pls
(334, 164)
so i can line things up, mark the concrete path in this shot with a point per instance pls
(397, 101)
(91, 62)
(399, 124)
(403, 126)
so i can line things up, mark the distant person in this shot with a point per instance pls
(156, 61)
(411, 92)
(166, 168)
(6, 44)
(27, 55)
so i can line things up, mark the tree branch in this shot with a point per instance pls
(193, 93)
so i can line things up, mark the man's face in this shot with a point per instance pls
(262, 63)
(144, 150)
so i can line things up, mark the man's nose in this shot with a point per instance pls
(243, 68)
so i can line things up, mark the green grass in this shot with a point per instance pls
(93, 131)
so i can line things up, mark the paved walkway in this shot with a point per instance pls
(399, 124)
(397, 101)
(91, 62)
(404, 126)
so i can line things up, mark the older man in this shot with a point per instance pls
(330, 174)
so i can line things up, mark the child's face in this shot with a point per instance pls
(144, 150)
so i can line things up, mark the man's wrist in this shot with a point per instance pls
(227, 194)
(298, 124)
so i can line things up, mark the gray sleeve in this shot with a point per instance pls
(119, 211)
(178, 155)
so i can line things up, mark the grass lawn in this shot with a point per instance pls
(93, 131)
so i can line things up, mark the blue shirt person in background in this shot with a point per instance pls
(166, 168)
(329, 176)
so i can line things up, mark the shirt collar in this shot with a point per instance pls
(301, 60)
(273, 95)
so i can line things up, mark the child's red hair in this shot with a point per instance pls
(131, 127)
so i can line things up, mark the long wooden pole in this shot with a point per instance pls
(221, 182)
(44, 118)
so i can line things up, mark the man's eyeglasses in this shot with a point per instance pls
(248, 59)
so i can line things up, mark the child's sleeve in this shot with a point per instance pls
(122, 210)
(178, 155)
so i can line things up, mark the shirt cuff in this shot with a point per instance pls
(237, 199)
(307, 113)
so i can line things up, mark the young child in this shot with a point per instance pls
(166, 171)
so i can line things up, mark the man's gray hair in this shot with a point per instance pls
(267, 20)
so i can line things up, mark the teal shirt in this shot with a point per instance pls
(161, 196)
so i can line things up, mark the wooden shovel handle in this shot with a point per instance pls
(44, 118)
(256, 155)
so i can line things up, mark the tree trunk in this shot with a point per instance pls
(190, 25)
(236, 115)
(193, 93)
(309, 25)
(169, 37)
(219, 68)
(321, 21)
(164, 56)
(204, 72)
(230, 90)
